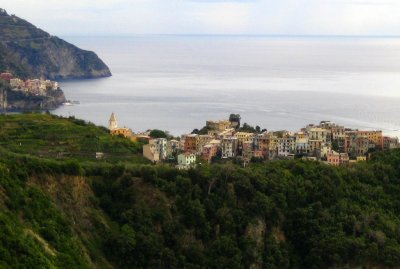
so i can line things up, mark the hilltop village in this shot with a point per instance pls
(32, 86)
(227, 139)
(30, 94)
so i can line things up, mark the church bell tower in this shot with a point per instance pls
(112, 123)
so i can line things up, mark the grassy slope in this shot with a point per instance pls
(49, 136)
(99, 214)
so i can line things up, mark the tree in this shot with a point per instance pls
(335, 145)
(225, 253)
(158, 134)
(235, 120)
(247, 128)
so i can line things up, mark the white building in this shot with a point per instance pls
(325, 149)
(318, 134)
(302, 146)
(156, 150)
(229, 147)
(286, 146)
(173, 146)
(186, 160)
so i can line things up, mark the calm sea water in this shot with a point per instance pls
(176, 83)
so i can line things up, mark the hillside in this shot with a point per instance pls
(52, 137)
(78, 212)
(28, 51)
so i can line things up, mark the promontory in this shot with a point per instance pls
(28, 51)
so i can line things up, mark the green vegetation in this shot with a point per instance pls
(289, 214)
(78, 212)
(202, 131)
(34, 232)
(50, 136)
(235, 119)
(158, 134)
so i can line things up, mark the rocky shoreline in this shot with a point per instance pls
(20, 101)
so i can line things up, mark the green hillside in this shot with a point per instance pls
(49, 136)
(75, 211)
(28, 51)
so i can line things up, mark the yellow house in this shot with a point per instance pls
(244, 137)
(374, 137)
(122, 131)
(361, 158)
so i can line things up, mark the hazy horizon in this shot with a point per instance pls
(235, 35)
(243, 17)
(176, 83)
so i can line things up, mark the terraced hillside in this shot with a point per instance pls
(50, 136)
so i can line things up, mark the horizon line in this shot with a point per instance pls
(235, 35)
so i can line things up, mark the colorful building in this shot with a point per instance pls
(374, 137)
(286, 146)
(156, 150)
(6, 76)
(191, 143)
(186, 160)
(209, 152)
(390, 142)
(336, 159)
(218, 126)
(229, 147)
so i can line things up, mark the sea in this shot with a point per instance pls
(176, 83)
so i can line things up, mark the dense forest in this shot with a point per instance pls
(79, 212)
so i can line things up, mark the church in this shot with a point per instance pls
(114, 130)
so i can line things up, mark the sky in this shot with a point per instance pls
(214, 17)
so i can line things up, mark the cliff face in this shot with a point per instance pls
(19, 101)
(28, 51)
(16, 100)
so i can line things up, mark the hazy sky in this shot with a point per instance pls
(125, 17)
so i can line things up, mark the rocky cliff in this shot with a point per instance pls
(28, 51)
(17, 100)
(20, 101)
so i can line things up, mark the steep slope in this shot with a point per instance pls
(28, 51)
(65, 213)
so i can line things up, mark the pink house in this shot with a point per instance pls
(209, 151)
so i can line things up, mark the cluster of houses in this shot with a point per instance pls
(224, 139)
(32, 86)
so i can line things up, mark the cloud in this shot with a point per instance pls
(125, 17)
(223, 17)
(367, 2)
(224, 1)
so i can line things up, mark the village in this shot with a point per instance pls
(227, 139)
(37, 86)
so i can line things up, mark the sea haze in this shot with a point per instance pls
(176, 83)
